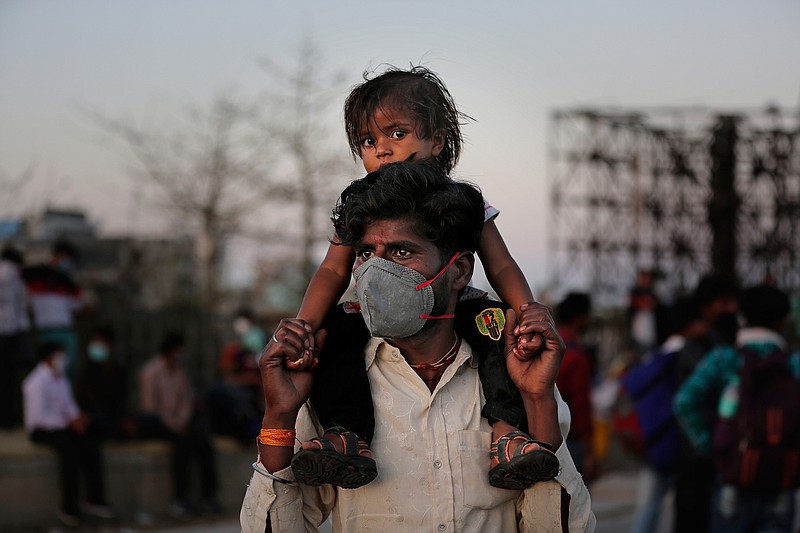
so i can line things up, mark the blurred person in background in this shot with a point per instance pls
(651, 388)
(717, 300)
(235, 403)
(168, 411)
(55, 296)
(754, 439)
(101, 388)
(52, 418)
(574, 379)
(14, 326)
(645, 314)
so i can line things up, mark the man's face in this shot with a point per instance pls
(724, 305)
(395, 240)
(392, 137)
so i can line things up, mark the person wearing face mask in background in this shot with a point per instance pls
(235, 403)
(167, 411)
(101, 388)
(52, 418)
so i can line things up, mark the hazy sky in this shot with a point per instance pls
(507, 65)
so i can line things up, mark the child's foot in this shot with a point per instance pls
(340, 458)
(518, 461)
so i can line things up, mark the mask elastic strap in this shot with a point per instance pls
(434, 278)
(442, 271)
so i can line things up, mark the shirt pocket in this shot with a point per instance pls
(474, 448)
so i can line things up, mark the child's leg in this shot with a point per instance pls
(517, 460)
(340, 394)
(342, 401)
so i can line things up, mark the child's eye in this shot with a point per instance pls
(368, 142)
(398, 134)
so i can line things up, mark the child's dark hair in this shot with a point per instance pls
(421, 94)
(447, 212)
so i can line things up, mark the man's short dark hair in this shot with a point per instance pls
(449, 213)
(681, 314)
(48, 348)
(574, 305)
(713, 287)
(13, 255)
(170, 342)
(765, 306)
(64, 247)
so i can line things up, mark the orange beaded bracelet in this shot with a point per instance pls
(277, 437)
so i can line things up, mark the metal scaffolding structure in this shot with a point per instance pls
(684, 191)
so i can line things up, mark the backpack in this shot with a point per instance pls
(651, 387)
(758, 448)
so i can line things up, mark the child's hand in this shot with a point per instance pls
(528, 344)
(305, 360)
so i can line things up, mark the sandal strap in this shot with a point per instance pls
(352, 444)
(499, 448)
(323, 443)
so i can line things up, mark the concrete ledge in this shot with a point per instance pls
(138, 479)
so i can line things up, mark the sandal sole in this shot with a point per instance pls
(318, 467)
(525, 470)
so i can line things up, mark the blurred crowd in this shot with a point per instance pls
(73, 392)
(691, 367)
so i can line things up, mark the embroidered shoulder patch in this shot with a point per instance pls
(490, 322)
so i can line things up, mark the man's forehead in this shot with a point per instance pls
(387, 230)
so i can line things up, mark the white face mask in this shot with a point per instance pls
(59, 363)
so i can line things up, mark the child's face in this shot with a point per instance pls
(392, 137)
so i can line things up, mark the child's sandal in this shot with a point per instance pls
(352, 469)
(521, 469)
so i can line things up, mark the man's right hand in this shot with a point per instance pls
(285, 390)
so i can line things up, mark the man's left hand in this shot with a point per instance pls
(533, 371)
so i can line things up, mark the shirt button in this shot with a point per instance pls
(438, 464)
(442, 527)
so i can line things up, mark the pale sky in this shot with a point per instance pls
(508, 65)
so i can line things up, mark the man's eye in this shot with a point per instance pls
(398, 134)
(364, 254)
(401, 254)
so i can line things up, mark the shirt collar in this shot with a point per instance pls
(759, 335)
(375, 344)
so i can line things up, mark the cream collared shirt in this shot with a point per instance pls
(432, 451)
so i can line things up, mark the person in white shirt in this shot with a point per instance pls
(414, 232)
(14, 325)
(52, 418)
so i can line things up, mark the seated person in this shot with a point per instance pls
(102, 388)
(167, 406)
(52, 418)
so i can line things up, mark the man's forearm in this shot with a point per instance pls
(542, 412)
(275, 458)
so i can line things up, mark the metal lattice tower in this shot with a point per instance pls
(684, 191)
